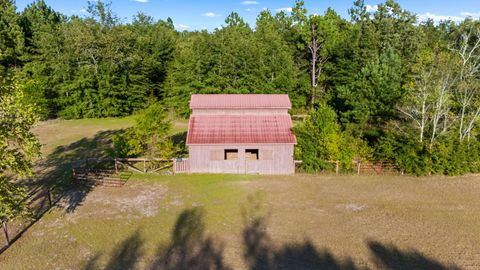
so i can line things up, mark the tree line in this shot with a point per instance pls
(379, 85)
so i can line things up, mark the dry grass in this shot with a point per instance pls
(259, 222)
(438, 216)
(374, 222)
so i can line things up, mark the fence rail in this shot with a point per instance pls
(378, 167)
(363, 167)
(147, 164)
(39, 201)
(101, 177)
(140, 165)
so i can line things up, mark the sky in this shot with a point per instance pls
(210, 14)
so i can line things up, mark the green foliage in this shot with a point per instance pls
(401, 86)
(11, 37)
(321, 142)
(18, 145)
(12, 201)
(43, 69)
(93, 67)
(234, 59)
(149, 137)
(446, 156)
(18, 148)
(370, 100)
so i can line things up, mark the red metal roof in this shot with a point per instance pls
(240, 129)
(243, 101)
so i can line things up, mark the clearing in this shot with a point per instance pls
(246, 221)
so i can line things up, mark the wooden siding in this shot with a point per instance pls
(273, 159)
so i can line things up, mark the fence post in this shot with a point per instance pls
(144, 166)
(336, 167)
(116, 166)
(5, 231)
(358, 167)
(49, 198)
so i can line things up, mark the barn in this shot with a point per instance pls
(241, 134)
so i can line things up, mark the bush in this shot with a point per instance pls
(446, 156)
(149, 137)
(321, 141)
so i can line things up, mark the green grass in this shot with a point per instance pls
(318, 222)
(60, 132)
(96, 228)
(212, 192)
(54, 133)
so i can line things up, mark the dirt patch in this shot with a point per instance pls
(354, 207)
(131, 201)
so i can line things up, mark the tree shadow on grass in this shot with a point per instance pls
(124, 256)
(189, 247)
(56, 169)
(260, 252)
(92, 263)
(390, 257)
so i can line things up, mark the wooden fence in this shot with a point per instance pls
(140, 165)
(146, 164)
(95, 171)
(39, 201)
(364, 167)
(100, 177)
(378, 167)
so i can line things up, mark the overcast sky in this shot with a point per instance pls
(209, 14)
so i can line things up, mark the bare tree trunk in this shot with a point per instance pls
(314, 58)
(441, 107)
(314, 78)
(316, 62)
(471, 124)
(418, 106)
(469, 52)
(462, 116)
(422, 122)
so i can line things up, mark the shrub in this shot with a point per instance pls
(320, 141)
(446, 156)
(149, 136)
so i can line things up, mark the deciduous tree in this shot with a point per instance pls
(18, 148)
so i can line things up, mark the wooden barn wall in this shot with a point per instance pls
(280, 159)
(239, 111)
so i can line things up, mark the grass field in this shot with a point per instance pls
(248, 222)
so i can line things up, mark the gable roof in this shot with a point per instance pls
(240, 129)
(240, 101)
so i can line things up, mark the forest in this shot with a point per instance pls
(378, 85)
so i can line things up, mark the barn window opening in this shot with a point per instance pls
(230, 154)
(251, 154)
